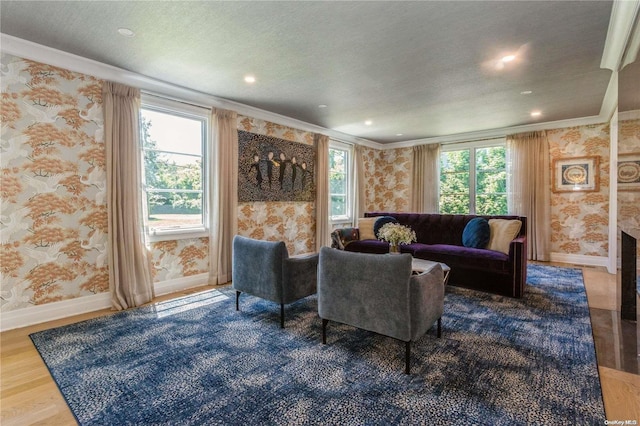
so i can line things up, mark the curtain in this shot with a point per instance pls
(528, 181)
(425, 178)
(323, 231)
(223, 195)
(130, 279)
(358, 171)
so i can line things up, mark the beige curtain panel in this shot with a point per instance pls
(425, 178)
(323, 231)
(130, 279)
(529, 189)
(224, 194)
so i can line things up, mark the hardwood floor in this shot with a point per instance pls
(28, 394)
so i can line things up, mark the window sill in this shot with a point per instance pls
(177, 234)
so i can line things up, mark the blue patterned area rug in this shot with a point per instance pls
(195, 360)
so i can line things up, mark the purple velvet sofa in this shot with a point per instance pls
(439, 238)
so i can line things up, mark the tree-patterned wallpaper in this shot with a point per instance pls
(53, 185)
(628, 201)
(580, 220)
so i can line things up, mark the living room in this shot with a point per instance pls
(71, 211)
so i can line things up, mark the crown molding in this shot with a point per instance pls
(37, 52)
(610, 100)
(500, 133)
(619, 35)
(629, 115)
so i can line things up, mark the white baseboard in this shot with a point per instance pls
(580, 259)
(66, 308)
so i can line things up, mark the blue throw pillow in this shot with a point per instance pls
(380, 223)
(477, 233)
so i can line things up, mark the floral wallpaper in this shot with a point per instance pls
(580, 220)
(53, 185)
(291, 222)
(387, 175)
(628, 201)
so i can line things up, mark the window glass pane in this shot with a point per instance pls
(173, 162)
(454, 161)
(454, 183)
(491, 180)
(174, 209)
(338, 184)
(172, 132)
(338, 205)
(491, 204)
(454, 204)
(339, 181)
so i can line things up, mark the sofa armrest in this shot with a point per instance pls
(342, 236)
(518, 259)
(300, 277)
(426, 300)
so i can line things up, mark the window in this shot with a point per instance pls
(474, 180)
(173, 138)
(340, 182)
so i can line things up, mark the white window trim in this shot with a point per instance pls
(194, 112)
(471, 146)
(346, 219)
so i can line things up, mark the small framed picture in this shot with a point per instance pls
(629, 172)
(576, 174)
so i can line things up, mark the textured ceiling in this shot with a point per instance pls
(422, 69)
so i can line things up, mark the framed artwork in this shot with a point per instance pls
(576, 174)
(273, 169)
(629, 172)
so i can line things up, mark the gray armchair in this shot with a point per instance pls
(264, 269)
(379, 293)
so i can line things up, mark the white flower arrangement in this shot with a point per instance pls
(395, 234)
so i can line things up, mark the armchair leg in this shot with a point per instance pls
(282, 315)
(237, 300)
(439, 327)
(407, 358)
(324, 331)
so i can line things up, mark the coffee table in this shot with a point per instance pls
(422, 265)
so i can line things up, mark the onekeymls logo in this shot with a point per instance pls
(621, 422)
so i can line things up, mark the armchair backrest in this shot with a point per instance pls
(257, 267)
(368, 291)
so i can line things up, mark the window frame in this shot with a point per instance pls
(179, 109)
(347, 218)
(472, 147)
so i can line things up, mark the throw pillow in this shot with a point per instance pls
(381, 220)
(477, 233)
(503, 231)
(365, 227)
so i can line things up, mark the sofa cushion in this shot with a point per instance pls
(381, 221)
(365, 227)
(471, 258)
(476, 234)
(502, 233)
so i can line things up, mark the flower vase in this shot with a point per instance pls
(394, 248)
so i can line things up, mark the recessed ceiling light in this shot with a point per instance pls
(526, 92)
(398, 134)
(322, 106)
(126, 32)
(250, 79)
(368, 122)
(508, 58)
(536, 113)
